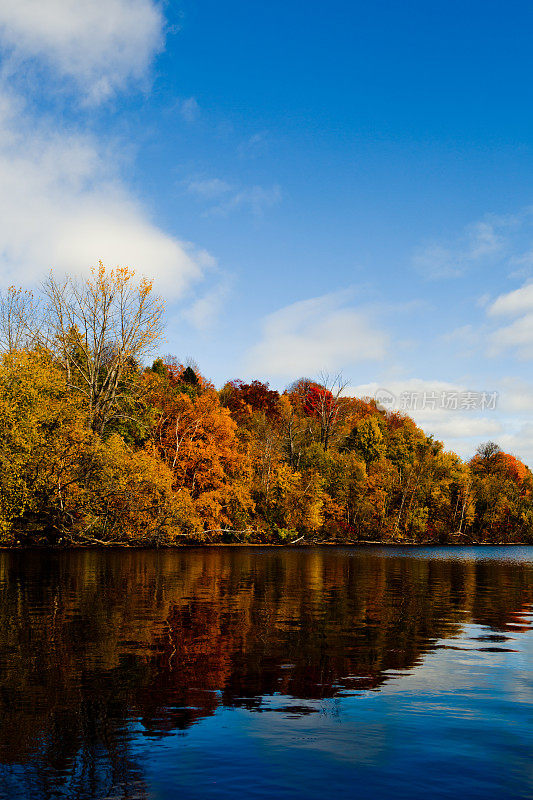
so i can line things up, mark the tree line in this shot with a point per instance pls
(96, 448)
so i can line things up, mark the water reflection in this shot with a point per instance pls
(99, 650)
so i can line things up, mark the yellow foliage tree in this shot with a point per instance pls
(41, 432)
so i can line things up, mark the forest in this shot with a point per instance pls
(102, 445)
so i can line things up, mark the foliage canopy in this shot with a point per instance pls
(96, 448)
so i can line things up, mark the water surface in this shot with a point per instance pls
(267, 673)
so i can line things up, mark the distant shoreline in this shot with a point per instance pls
(264, 545)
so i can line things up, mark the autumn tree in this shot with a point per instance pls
(97, 329)
(245, 398)
(322, 401)
(19, 319)
(197, 439)
(294, 430)
(59, 480)
(35, 426)
(367, 438)
(126, 496)
(502, 487)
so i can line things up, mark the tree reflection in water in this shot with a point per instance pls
(99, 648)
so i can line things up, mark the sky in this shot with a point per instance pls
(342, 187)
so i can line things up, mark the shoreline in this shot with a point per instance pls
(195, 545)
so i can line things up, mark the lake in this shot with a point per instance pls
(329, 672)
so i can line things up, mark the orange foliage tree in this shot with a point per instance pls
(197, 438)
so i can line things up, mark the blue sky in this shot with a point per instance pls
(313, 187)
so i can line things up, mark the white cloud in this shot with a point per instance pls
(518, 336)
(517, 396)
(435, 261)
(483, 240)
(315, 334)
(479, 241)
(63, 206)
(204, 312)
(256, 199)
(189, 109)
(208, 188)
(513, 302)
(519, 333)
(519, 443)
(100, 45)
(465, 336)
(462, 426)
(503, 241)
(523, 263)
(254, 146)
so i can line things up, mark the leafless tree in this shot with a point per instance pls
(19, 319)
(328, 404)
(97, 328)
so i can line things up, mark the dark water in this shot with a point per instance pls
(267, 673)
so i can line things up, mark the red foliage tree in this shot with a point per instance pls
(491, 460)
(244, 398)
(318, 401)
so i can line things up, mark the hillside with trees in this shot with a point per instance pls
(97, 448)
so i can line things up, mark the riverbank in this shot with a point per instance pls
(255, 545)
